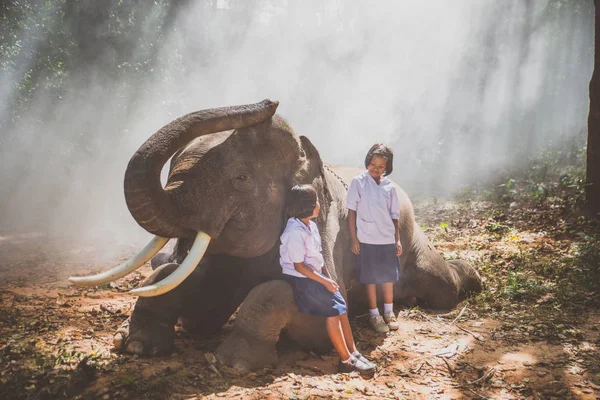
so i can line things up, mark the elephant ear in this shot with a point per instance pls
(312, 172)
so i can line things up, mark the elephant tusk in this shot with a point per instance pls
(120, 271)
(187, 267)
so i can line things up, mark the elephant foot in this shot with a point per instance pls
(246, 355)
(148, 339)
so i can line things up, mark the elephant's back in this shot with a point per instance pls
(347, 173)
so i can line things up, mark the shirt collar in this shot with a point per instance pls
(297, 222)
(370, 178)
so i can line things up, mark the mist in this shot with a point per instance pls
(458, 89)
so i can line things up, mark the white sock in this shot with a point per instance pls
(356, 354)
(349, 359)
(388, 308)
(374, 312)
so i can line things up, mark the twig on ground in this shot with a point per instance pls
(475, 334)
(418, 368)
(442, 353)
(361, 316)
(212, 361)
(459, 315)
(215, 370)
(450, 369)
(432, 366)
(485, 377)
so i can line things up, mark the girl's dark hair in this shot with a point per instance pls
(379, 149)
(302, 200)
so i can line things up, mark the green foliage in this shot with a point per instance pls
(519, 286)
(128, 380)
(547, 279)
(578, 276)
(540, 257)
(43, 374)
(555, 174)
(46, 44)
(496, 228)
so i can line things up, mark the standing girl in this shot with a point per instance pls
(373, 208)
(314, 292)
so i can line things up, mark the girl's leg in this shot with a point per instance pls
(375, 319)
(371, 295)
(336, 334)
(388, 306)
(347, 331)
(388, 292)
(349, 338)
(338, 328)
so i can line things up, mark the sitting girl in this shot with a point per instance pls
(314, 292)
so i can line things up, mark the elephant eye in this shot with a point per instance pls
(243, 181)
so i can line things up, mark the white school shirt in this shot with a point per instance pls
(300, 243)
(376, 205)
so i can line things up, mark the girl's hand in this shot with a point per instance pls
(398, 249)
(355, 246)
(331, 285)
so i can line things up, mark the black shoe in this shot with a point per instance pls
(354, 364)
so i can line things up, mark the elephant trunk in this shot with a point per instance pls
(151, 206)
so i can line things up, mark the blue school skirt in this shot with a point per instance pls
(314, 299)
(377, 263)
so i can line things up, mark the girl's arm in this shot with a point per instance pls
(352, 200)
(310, 273)
(394, 213)
(397, 234)
(352, 228)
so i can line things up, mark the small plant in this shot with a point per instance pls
(505, 192)
(444, 226)
(510, 186)
(519, 286)
(497, 228)
(540, 192)
(128, 380)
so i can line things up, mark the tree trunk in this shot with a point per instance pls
(593, 144)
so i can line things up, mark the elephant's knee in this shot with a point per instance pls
(265, 312)
(246, 354)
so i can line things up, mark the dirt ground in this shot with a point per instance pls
(56, 339)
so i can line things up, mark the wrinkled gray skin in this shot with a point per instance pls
(229, 178)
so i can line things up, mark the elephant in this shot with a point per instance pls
(224, 202)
